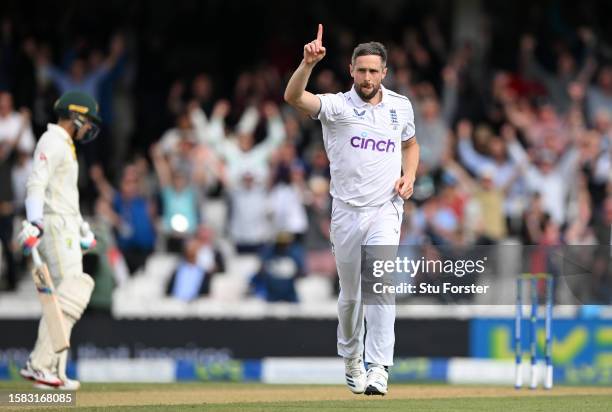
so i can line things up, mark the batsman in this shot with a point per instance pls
(56, 228)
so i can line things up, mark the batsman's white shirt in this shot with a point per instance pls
(363, 143)
(55, 172)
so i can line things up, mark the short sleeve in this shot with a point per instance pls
(332, 106)
(409, 130)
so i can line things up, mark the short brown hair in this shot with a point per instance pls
(371, 48)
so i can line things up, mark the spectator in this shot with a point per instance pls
(495, 163)
(209, 256)
(286, 197)
(202, 260)
(486, 206)
(594, 166)
(22, 167)
(202, 92)
(441, 224)
(15, 127)
(179, 198)
(17, 142)
(281, 264)
(80, 77)
(547, 178)
(556, 84)
(15, 132)
(242, 155)
(130, 213)
(319, 258)
(319, 163)
(248, 222)
(434, 122)
(189, 281)
(578, 231)
(599, 96)
(184, 135)
(533, 216)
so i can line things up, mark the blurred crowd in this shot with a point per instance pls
(520, 152)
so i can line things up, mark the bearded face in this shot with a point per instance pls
(368, 73)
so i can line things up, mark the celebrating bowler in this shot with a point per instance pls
(369, 137)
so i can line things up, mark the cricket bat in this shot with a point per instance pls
(50, 306)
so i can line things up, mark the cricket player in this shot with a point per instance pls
(55, 225)
(369, 137)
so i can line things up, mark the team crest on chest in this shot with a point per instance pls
(394, 120)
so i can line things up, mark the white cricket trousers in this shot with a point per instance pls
(351, 228)
(60, 247)
(61, 251)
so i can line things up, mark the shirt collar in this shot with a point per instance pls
(59, 130)
(385, 95)
(360, 103)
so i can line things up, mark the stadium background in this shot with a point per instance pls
(465, 60)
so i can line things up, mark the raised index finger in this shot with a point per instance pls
(320, 33)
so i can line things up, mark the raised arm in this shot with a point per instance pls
(102, 185)
(116, 51)
(53, 74)
(450, 94)
(214, 133)
(530, 66)
(276, 130)
(589, 65)
(295, 93)
(198, 120)
(466, 182)
(518, 155)
(473, 160)
(162, 168)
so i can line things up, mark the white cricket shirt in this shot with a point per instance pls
(55, 171)
(364, 144)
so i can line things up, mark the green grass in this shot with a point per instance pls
(23, 385)
(592, 403)
(560, 400)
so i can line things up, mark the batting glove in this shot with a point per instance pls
(88, 239)
(29, 236)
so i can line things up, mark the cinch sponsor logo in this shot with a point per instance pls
(367, 143)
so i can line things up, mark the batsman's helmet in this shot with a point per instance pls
(80, 108)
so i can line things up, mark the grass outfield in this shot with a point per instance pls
(259, 397)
